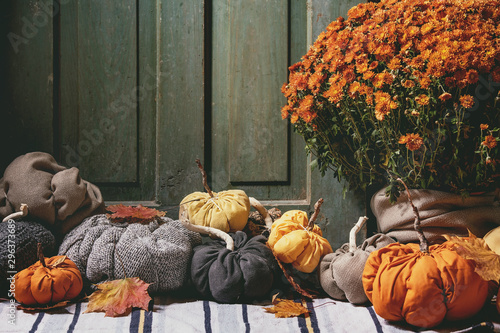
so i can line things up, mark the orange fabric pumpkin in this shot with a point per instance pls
(48, 281)
(404, 283)
(422, 284)
(296, 240)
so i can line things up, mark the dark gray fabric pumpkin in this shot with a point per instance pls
(19, 239)
(340, 272)
(245, 274)
(157, 253)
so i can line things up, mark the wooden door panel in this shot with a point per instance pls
(108, 92)
(253, 148)
(107, 72)
(255, 60)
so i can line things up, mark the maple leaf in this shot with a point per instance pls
(285, 308)
(139, 214)
(118, 297)
(476, 249)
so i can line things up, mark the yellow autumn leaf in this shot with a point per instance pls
(118, 297)
(285, 308)
(476, 249)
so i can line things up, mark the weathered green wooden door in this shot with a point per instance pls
(142, 88)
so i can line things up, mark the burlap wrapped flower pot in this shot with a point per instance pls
(440, 212)
(158, 253)
(55, 195)
(340, 273)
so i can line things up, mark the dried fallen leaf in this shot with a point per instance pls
(285, 308)
(118, 297)
(476, 249)
(47, 307)
(139, 214)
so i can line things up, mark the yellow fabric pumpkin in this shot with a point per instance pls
(294, 241)
(227, 210)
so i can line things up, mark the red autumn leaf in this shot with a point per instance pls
(129, 214)
(118, 297)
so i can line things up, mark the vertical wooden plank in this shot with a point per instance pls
(296, 190)
(107, 68)
(29, 74)
(256, 67)
(338, 213)
(69, 77)
(324, 12)
(124, 98)
(181, 99)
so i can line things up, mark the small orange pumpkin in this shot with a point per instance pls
(422, 284)
(48, 281)
(295, 239)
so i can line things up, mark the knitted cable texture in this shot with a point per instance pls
(157, 253)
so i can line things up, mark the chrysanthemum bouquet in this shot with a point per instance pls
(404, 89)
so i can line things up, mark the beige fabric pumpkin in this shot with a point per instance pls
(226, 210)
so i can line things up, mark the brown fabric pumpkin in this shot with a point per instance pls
(48, 281)
(55, 195)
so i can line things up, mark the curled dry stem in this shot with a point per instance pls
(262, 211)
(211, 231)
(314, 216)
(39, 251)
(424, 244)
(204, 175)
(352, 235)
(23, 211)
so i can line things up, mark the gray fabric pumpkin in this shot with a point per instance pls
(157, 253)
(19, 241)
(340, 272)
(245, 274)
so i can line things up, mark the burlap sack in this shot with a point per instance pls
(159, 254)
(340, 272)
(55, 195)
(440, 213)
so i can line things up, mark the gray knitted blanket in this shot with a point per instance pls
(157, 253)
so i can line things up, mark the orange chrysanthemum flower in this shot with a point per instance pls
(383, 105)
(438, 53)
(422, 99)
(368, 75)
(408, 84)
(489, 141)
(445, 96)
(412, 141)
(467, 101)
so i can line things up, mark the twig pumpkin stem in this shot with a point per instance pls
(39, 251)
(23, 211)
(424, 244)
(210, 231)
(262, 211)
(314, 216)
(352, 235)
(204, 175)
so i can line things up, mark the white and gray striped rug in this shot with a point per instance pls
(173, 315)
